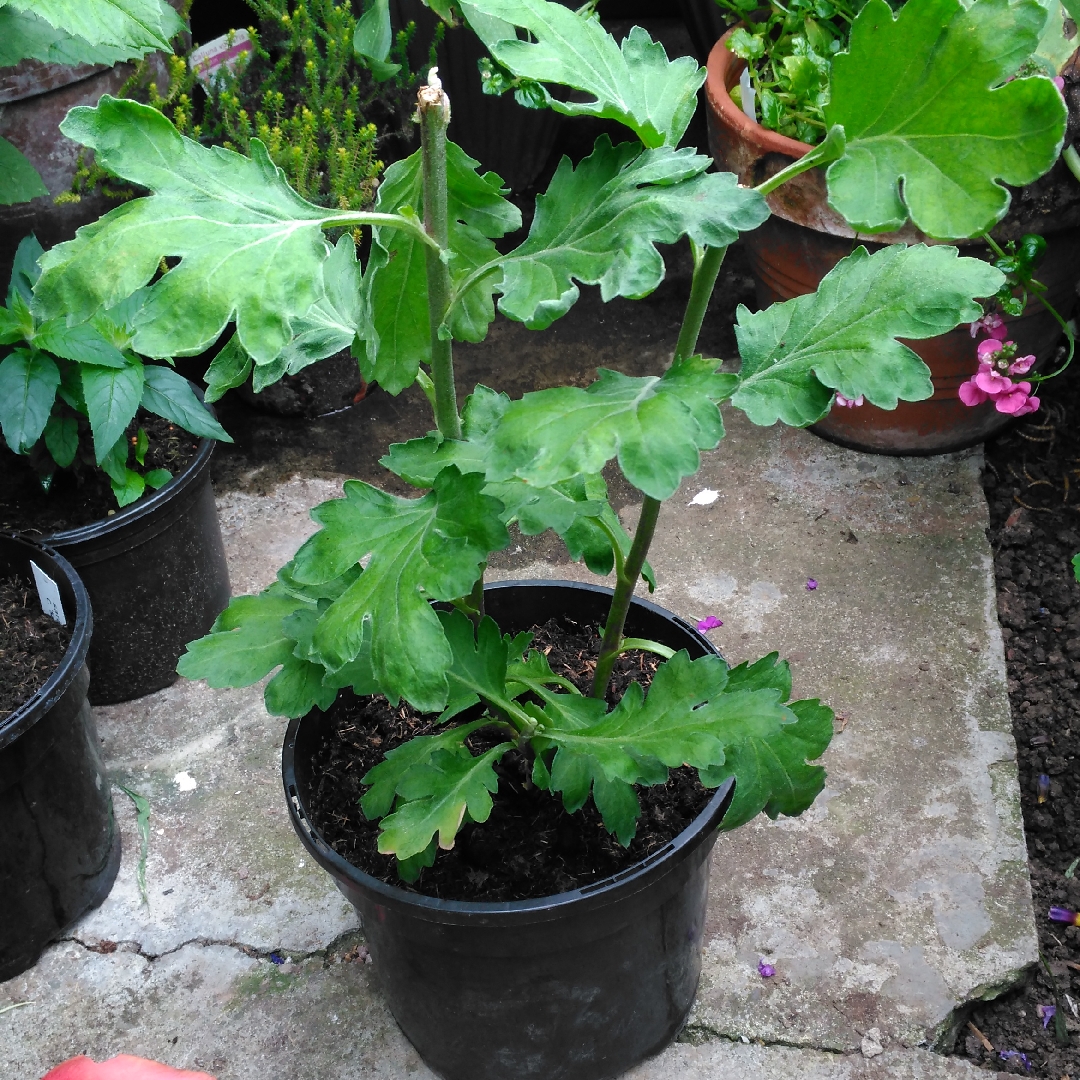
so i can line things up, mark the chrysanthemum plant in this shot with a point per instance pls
(354, 607)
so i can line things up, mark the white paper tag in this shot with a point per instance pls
(49, 595)
(207, 60)
(747, 91)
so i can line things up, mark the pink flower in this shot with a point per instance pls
(1018, 402)
(710, 622)
(989, 348)
(970, 394)
(121, 1067)
(992, 324)
(1059, 82)
(1021, 365)
(849, 403)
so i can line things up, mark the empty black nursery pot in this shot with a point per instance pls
(59, 844)
(578, 986)
(157, 577)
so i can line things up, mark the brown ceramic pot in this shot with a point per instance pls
(805, 238)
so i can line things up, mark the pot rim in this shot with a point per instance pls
(143, 508)
(29, 712)
(724, 69)
(514, 912)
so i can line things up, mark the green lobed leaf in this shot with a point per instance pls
(435, 799)
(655, 426)
(935, 123)
(431, 548)
(383, 779)
(19, 180)
(773, 774)
(112, 396)
(298, 688)
(331, 323)
(574, 508)
(138, 25)
(245, 643)
(843, 337)
(372, 40)
(168, 394)
(599, 224)
(28, 385)
(230, 367)
(689, 717)
(636, 84)
(768, 673)
(24, 34)
(395, 284)
(250, 248)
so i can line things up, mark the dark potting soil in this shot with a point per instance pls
(31, 644)
(1032, 483)
(82, 494)
(530, 846)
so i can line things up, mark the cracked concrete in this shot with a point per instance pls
(900, 895)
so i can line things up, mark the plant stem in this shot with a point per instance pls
(831, 148)
(624, 590)
(706, 271)
(476, 597)
(1072, 160)
(434, 108)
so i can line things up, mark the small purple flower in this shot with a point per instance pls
(1005, 1055)
(766, 971)
(1060, 914)
(710, 622)
(1045, 1013)
(276, 959)
(1043, 787)
(811, 584)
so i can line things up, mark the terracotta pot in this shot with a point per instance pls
(805, 239)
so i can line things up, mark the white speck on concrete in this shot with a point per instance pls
(184, 782)
(705, 497)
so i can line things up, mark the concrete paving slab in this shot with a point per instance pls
(215, 1008)
(902, 894)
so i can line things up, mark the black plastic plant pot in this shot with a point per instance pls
(577, 986)
(157, 578)
(59, 844)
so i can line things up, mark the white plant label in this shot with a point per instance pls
(49, 595)
(210, 59)
(747, 92)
